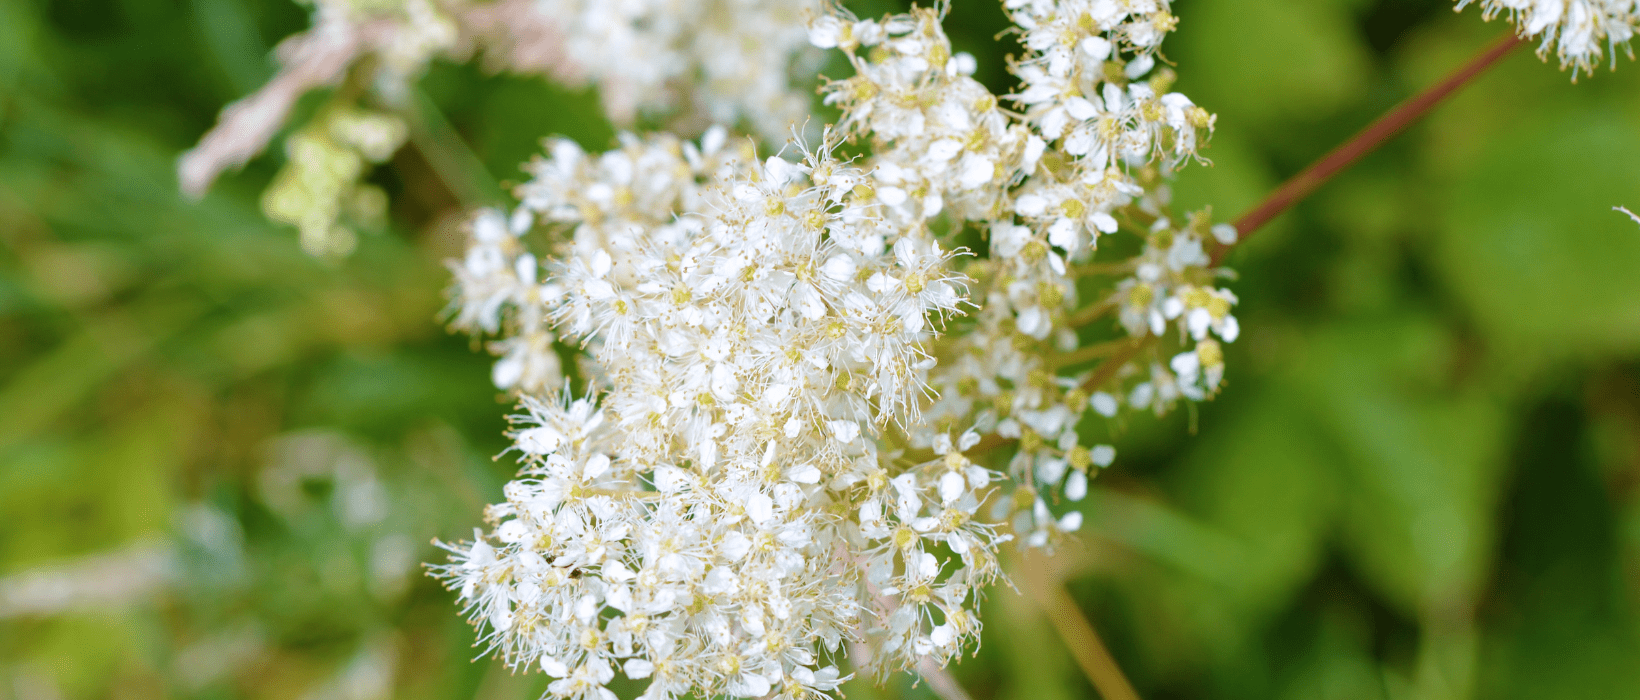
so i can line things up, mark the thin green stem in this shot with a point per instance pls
(1090, 352)
(1089, 314)
(455, 164)
(1079, 636)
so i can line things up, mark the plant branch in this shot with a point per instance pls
(455, 164)
(1089, 352)
(1092, 313)
(940, 680)
(1294, 190)
(1300, 186)
(1077, 633)
(1303, 184)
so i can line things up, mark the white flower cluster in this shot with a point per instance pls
(727, 513)
(1100, 134)
(1579, 31)
(692, 63)
(319, 190)
(698, 61)
(794, 368)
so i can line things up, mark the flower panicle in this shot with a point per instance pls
(793, 362)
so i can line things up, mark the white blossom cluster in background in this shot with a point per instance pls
(804, 373)
(1580, 32)
(320, 186)
(689, 62)
(696, 62)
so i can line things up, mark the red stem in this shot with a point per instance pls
(1368, 140)
(1303, 184)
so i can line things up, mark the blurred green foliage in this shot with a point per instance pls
(221, 460)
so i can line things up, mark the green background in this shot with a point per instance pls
(1422, 480)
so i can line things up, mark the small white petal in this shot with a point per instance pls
(1104, 404)
(1008, 428)
(754, 686)
(1103, 455)
(669, 479)
(1050, 471)
(596, 466)
(1139, 66)
(1030, 205)
(1034, 147)
(1097, 48)
(951, 487)
(871, 511)
(1071, 522)
(1186, 364)
(1081, 109)
(1172, 307)
(1076, 486)
(927, 565)
(510, 532)
(942, 636)
(805, 474)
(1062, 234)
(1198, 321)
(507, 371)
(942, 443)
(520, 222)
(845, 431)
(839, 267)
(539, 441)
(760, 508)
(501, 618)
(525, 268)
(975, 172)
(825, 32)
(638, 668)
(736, 545)
(943, 150)
(489, 227)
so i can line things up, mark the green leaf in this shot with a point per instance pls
(1531, 243)
(1263, 480)
(1261, 63)
(1420, 464)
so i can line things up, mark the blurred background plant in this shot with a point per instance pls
(222, 460)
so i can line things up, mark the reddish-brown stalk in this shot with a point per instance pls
(1302, 185)
(1078, 633)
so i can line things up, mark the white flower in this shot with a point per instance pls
(1577, 30)
(766, 465)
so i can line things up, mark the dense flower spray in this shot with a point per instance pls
(688, 62)
(1579, 32)
(797, 372)
(779, 410)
